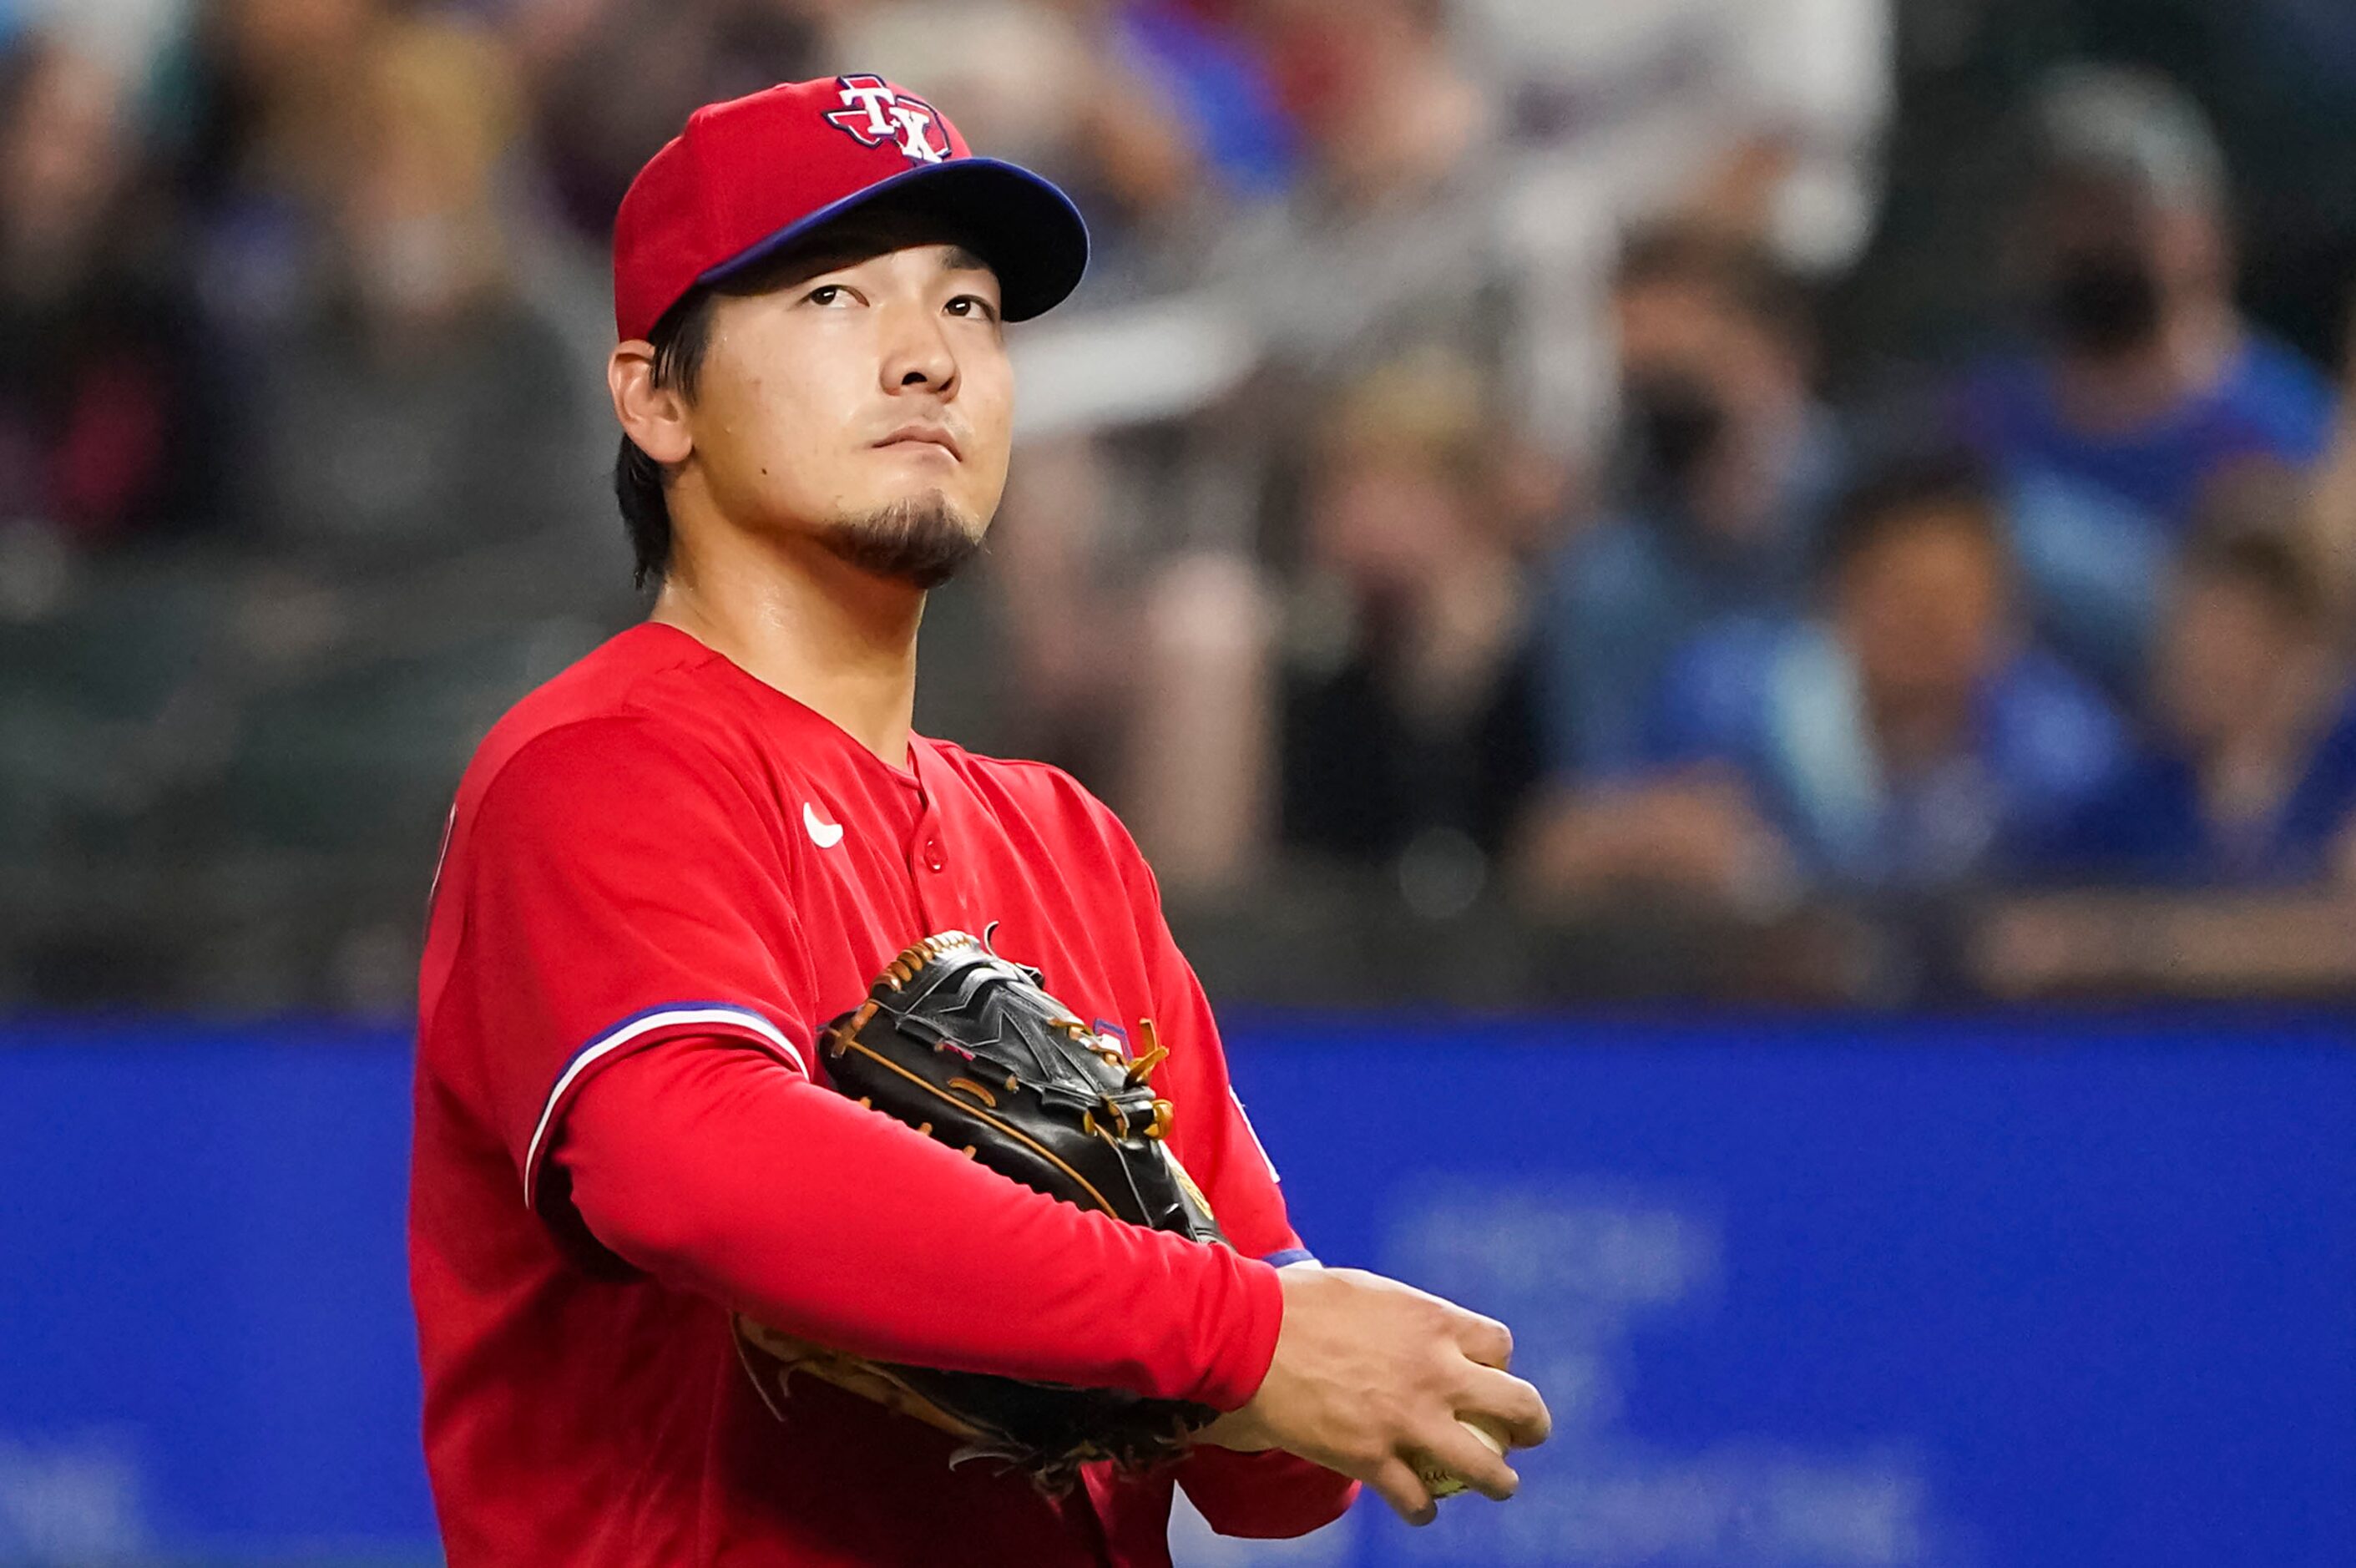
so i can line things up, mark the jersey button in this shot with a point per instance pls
(934, 859)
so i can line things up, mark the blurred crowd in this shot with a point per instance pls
(1829, 499)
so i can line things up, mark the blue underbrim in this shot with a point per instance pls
(1027, 230)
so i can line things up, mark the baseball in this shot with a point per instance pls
(1444, 1484)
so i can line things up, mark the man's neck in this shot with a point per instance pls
(841, 641)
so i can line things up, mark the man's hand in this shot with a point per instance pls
(1371, 1377)
(1696, 832)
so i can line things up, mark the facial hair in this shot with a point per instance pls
(923, 540)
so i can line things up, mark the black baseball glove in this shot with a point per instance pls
(965, 1048)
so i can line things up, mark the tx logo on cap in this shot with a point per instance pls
(875, 113)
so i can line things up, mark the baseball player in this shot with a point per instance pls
(668, 868)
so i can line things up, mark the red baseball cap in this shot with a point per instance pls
(754, 174)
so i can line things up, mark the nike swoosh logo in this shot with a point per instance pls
(826, 835)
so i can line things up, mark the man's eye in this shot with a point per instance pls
(972, 304)
(826, 294)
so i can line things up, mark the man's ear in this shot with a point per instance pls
(653, 417)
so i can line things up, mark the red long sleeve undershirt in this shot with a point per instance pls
(714, 1169)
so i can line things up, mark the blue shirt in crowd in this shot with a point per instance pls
(1626, 593)
(2269, 403)
(2097, 520)
(1778, 703)
(2151, 826)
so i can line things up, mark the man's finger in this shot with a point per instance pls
(1513, 1407)
(1395, 1482)
(1460, 1451)
(1484, 1339)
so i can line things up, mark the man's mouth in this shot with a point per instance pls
(925, 435)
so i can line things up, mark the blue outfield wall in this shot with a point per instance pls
(1809, 1292)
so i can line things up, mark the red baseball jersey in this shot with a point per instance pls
(656, 853)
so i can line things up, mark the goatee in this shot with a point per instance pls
(923, 540)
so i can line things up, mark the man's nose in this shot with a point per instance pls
(919, 354)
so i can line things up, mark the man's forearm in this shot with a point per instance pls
(715, 1169)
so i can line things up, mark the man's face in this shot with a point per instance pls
(1691, 367)
(1923, 610)
(868, 406)
(1385, 521)
(2110, 262)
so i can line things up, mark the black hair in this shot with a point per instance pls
(680, 339)
(1742, 274)
(1897, 492)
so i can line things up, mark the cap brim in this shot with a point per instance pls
(1026, 229)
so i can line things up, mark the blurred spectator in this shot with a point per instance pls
(1759, 120)
(1406, 711)
(2251, 776)
(1726, 466)
(422, 410)
(1386, 251)
(2145, 379)
(108, 449)
(2223, 860)
(1373, 708)
(1390, 240)
(423, 518)
(256, 136)
(105, 431)
(307, 317)
(1907, 740)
